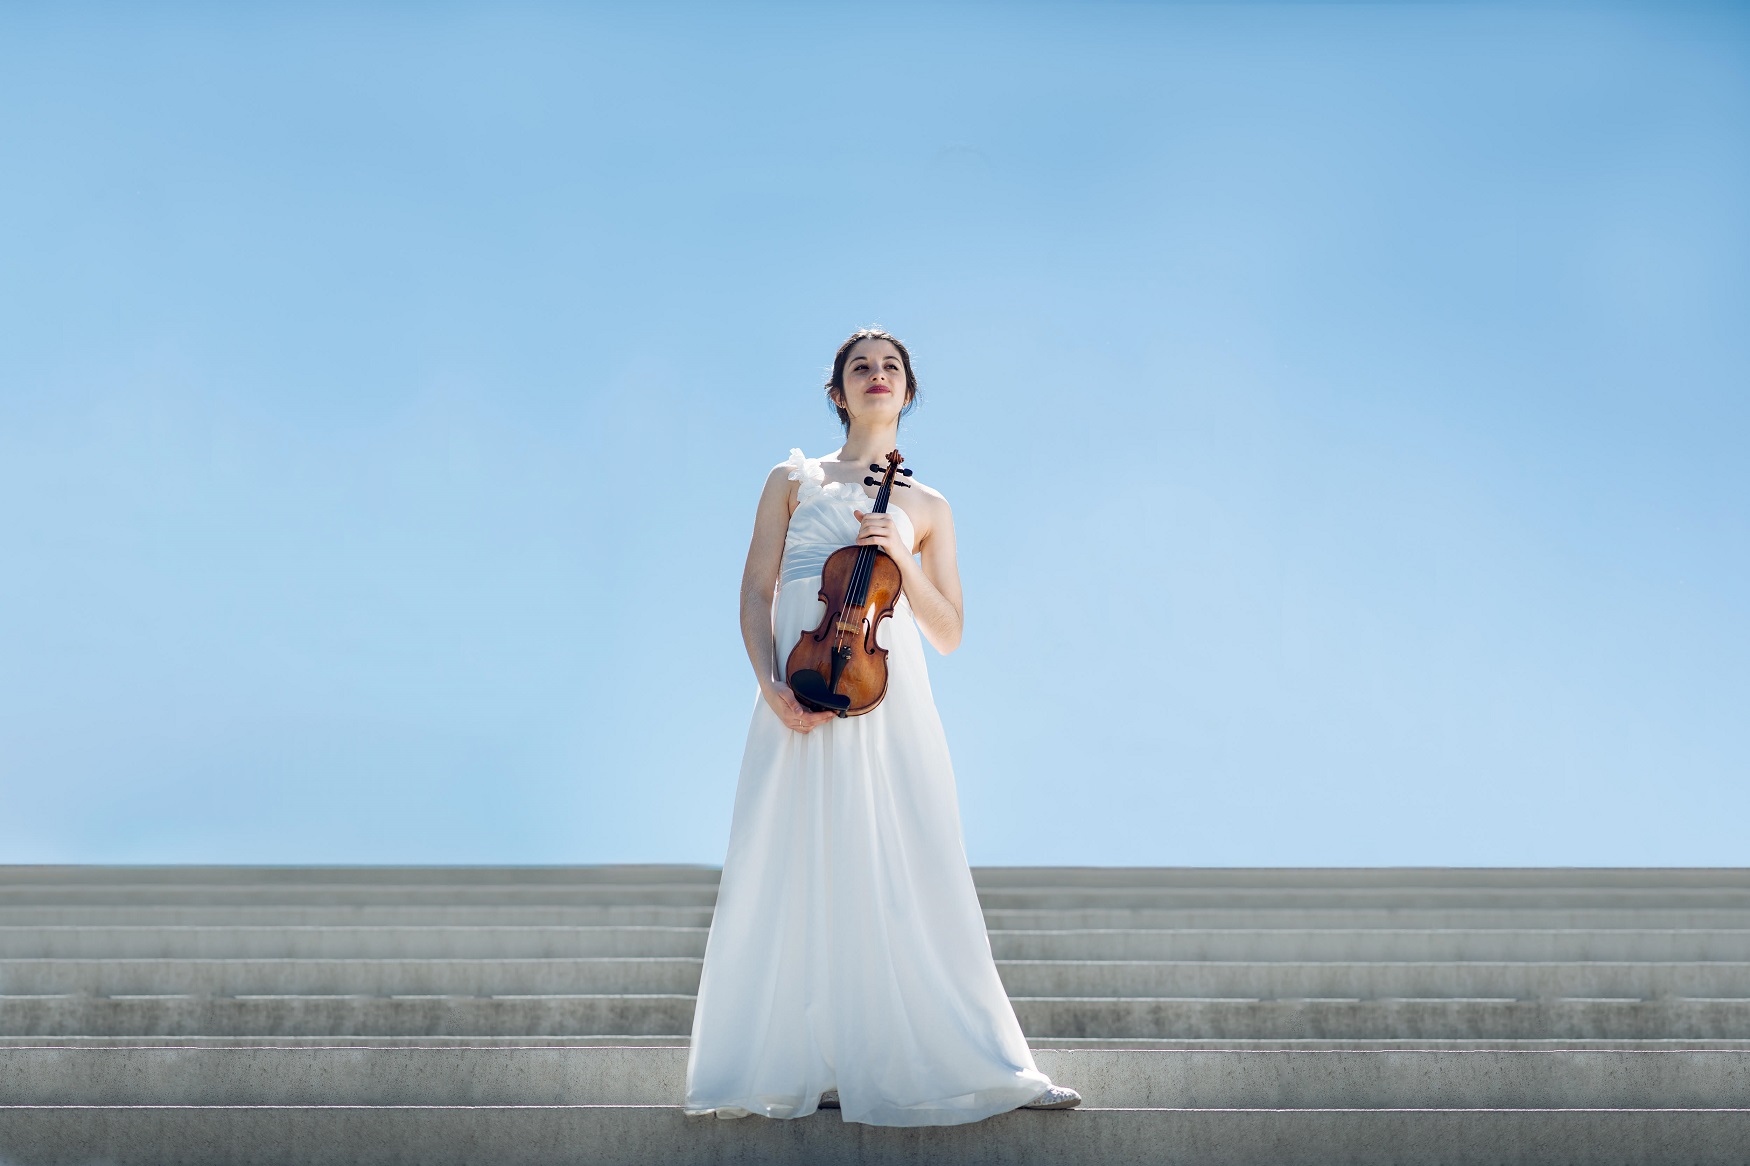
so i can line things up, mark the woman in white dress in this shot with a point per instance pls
(848, 957)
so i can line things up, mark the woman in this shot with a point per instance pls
(847, 956)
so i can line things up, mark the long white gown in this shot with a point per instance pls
(848, 949)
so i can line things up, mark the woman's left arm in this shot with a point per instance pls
(933, 586)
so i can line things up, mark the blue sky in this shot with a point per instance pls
(1343, 408)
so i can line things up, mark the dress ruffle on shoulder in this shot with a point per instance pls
(807, 471)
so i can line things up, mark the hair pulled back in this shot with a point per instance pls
(835, 385)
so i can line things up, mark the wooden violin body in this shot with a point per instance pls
(838, 667)
(841, 657)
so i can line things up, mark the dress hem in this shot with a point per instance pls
(891, 1116)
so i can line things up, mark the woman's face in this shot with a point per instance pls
(874, 381)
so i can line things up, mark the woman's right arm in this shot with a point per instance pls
(759, 582)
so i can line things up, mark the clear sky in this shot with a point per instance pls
(1344, 410)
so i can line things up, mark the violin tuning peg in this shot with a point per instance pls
(878, 469)
(905, 471)
(907, 485)
(868, 481)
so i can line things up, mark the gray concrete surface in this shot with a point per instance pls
(428, 914)
(352, 941)
(547, 1136)
(1045, 1018)
(340, 977)
(346, 1015)
(363, 894)
(1376, 1019)
(1209, 1079)
(1045, 896)
(984, 876)
(1419, 1015)
(1382, 918)
(1419, 898)
(679, 1040)
(488, 940)
(1065, 977)
(1526, 877)
(362, 915)
(1420, 944)
(98, 874)
(1197, 878)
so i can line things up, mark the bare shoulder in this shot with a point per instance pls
(931, 497)
(779, 480)
(779, 486)
(928, 508)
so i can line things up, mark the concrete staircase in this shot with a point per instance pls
(539, 1015)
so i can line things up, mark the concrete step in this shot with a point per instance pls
(1328, 898)
(1043, 897)
(344, 977)
(333, 1015)
(670, 974)
(351, 941)
(588, 1040)
(361, 915)
(1266, 917)
(1072, 919)
(992, 877)
(1225, 1079)
(1047, 1019)
(679, 1040)
(365, 894)
(1403, 945)
(1154, 1017)
(304, 876)
(543, 1135)
(1434, 980)
(1370, 876)
(539, 1014)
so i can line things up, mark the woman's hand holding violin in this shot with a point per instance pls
(790, 710)
(879, 530)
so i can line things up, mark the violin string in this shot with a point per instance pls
(860, 572)
(863, 570)
(867, 563)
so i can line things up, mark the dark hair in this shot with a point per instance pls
(836, 382)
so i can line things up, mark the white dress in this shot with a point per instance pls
(848, 949)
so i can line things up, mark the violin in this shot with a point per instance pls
(838, 667)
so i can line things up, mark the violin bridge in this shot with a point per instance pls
(853, 628)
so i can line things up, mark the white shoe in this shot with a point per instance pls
(1055, 1097)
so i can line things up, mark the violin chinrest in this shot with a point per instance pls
(812, 689)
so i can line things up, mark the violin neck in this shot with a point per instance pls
(885, 490)
(858, 590)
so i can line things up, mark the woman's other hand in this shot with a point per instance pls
(790, 710)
